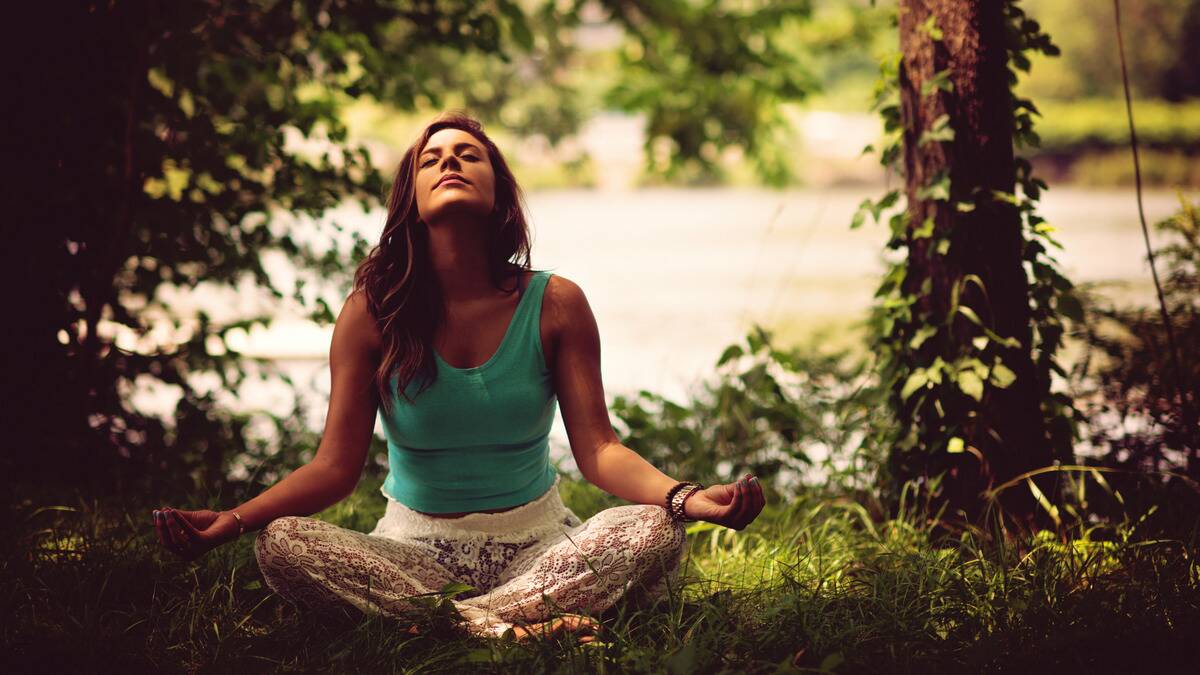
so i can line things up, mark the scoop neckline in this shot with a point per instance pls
(503, 341)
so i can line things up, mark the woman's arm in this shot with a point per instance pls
(599, 454)
(353, 405)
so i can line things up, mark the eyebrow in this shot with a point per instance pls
(438, 150)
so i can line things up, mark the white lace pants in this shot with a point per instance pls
(524, 563)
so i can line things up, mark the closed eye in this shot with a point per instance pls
(434, 161)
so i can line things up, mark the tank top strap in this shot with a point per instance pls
(526, 336)
(529, 308)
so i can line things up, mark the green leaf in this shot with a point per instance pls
(455, 587)
(1002, 375)
(974, 364)
(1002, 196)
(971, 384)
(935, 370)
(874, 208)
(925, 230)
(939, 131)
(937, 190)
(939, 81)
(923, 334)
(929, 27)
(518, 25)
(915, 381)
(1070, 307)
(860, 215)
(731, 352)
(970, 314)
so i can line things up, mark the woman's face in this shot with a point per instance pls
(454, 151)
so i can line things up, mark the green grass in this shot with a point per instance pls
(813, 585)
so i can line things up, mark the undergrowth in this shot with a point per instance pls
(814, 585)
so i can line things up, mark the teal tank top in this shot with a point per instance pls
(477, 438)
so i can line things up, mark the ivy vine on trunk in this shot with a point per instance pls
(968, 323)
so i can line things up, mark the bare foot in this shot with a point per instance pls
(586, 627)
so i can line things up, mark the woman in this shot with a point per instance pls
(465, 355)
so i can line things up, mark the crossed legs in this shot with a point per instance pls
(586, 568)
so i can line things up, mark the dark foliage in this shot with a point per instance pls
(1126, 378)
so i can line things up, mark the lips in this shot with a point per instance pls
(451, 176)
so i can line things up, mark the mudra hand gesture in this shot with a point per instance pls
(733, 505)
(191, 534)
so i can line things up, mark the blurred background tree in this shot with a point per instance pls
(169, 145)
(1158, 34)
(1125, 379)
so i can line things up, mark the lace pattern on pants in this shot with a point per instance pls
(525, 564)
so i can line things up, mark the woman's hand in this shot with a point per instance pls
(191, 534)
(734, 505)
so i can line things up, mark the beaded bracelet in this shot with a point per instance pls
(671, 495)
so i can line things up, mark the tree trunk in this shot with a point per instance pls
(1006, 426)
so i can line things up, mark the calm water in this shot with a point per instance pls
(675, 275)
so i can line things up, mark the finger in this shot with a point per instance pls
(757, 491)
(735, 506)
(162, 526)
(179, 526)
(736, 503)
(750, 509)
(158, 530)
(722, 506)
(741, 514)
(195, 537)
(177, 533)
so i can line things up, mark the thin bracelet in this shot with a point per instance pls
(241, 525)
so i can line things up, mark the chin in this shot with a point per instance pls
(460, 207)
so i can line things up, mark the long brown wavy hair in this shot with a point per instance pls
(402, 292)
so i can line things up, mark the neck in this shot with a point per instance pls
(458, 255)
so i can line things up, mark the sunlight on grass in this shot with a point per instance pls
(815, 583)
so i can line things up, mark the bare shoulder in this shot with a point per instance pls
(355, 326)
(564, 302)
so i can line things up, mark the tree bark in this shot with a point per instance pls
(1007, 425)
